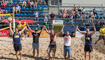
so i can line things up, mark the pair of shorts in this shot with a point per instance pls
(101, 37)
(35, 46)
(88, 48)
(52, 48)
(67, 49)
(17, 47)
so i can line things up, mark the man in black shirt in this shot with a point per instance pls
(35, 44)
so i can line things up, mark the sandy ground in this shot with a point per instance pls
(7, 51)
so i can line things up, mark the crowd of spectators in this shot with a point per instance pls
(78, 13)
(24, 4)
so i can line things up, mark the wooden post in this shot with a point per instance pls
(13, 21)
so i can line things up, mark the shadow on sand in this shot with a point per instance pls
(5, 58)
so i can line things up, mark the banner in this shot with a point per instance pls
(4, 33)
(4, 28)
(58, 22)
(5, 14)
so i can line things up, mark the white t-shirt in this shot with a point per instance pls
(67, 41)
(36, 14)
(18, 7)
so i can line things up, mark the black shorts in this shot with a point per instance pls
(52, 48)
(17, 47)
(88, 48)
(101, 37)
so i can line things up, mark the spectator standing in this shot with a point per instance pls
(24, 4)
(94, 11)
(35, 4)
(18, 8)
(36, 16)
(75, 7)
(83, 11)
(3, 4)
(52, 16)
(45, 18)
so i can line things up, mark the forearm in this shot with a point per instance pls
(10, 28)
(94, 28)
(23, 29)
(29, 28)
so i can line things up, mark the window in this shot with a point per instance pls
(55, 2)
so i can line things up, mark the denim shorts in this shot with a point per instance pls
(67, 49)
(35, 46)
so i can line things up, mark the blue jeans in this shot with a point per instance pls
(67, 49)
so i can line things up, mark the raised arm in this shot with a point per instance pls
(62, 28)
(44, 27)
(55, 38)
(29, 28)
(11, 28)
(23, 30)
(94, 29)
(80, 31)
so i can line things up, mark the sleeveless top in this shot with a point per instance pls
(51, 38)
(16, 38)
(88, 39)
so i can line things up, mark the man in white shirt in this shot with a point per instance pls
(36, 16)
(67, 45)
(18, 8)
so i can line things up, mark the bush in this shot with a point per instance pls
(57, 28)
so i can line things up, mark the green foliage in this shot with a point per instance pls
(57, 28)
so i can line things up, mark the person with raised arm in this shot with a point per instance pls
(102, 34)
(67, 45)
(35, 45)
(52, 45)
(88, 40)
(17, 40)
